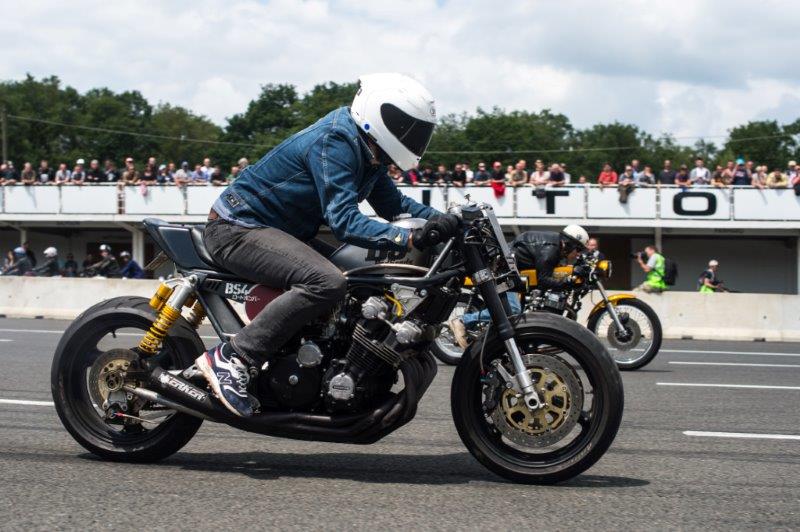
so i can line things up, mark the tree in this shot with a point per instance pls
(615, 143)
(764, 141)
(174, 121)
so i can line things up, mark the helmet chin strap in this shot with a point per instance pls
(379, 157)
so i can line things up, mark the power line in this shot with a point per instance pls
(135, 133)
(429, 152)
(575, 150)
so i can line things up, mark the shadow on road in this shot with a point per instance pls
(436, 469)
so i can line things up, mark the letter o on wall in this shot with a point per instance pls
(710, 208)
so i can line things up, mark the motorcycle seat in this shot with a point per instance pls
(183, 244)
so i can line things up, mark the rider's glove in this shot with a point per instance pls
(435, 231)
(581, 271)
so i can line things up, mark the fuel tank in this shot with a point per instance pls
(349, 257)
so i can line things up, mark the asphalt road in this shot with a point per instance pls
(654, 476)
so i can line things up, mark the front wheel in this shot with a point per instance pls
(575, 378)
(641, 340)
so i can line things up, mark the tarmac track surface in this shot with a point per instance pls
(693, 452)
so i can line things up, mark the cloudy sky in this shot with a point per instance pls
(690, 67)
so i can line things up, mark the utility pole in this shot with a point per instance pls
(4, 132)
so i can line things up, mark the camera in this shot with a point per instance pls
(639, 255)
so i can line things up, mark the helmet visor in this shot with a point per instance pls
(413, 133)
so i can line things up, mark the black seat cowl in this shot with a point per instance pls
(182, 243)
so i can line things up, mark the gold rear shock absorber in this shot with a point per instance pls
(168, 301)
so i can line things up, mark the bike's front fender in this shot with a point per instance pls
(616, 298)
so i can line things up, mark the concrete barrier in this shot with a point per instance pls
(723, 316)
(770, 317)
(63, 298)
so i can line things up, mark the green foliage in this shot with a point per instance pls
(774, 150)
(279, 111)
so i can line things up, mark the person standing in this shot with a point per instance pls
(45, 174)
(708, 283)
(741, 176)
(608, 177)
(667, 175)
(654, 269)
(700, 175)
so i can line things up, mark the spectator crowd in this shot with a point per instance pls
(540, 175)
(151, 173)
(22, 261)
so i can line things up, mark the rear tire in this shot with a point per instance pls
(549, 467)
(655, 325)
(68, 383)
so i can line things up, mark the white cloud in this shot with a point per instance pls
(685, 67)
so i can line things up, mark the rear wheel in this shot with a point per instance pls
(641, 340)
(86, 379)
(577, 381)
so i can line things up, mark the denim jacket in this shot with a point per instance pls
(318, 176)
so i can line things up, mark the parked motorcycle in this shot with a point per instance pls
(536, 400)
(628, 327)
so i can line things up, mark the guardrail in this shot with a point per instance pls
(579, 202)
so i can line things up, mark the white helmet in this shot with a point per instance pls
(105, 247)
(50, 252)
(576, 234)
(398, 113)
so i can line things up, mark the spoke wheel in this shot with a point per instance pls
(641, 340)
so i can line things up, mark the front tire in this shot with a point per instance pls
(648, 329)
(80, 347)
(544, 462)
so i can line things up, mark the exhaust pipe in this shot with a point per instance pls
(150, 395)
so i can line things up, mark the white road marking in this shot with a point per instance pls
(5, 340)
(26, 402)
(745, 364)
(50, 331)
(741, 435)
(746, 353)
(707, 385)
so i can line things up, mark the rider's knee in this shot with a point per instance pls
(332, 286)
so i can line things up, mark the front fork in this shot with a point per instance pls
(612, 311)
(168, 301)
(498, 310)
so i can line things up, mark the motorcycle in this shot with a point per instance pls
(536, 399)
(628, 327)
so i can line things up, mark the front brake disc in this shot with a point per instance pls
(635, 336)
(562, 394)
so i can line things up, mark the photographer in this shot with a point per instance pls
(708, 282)
(654, 269)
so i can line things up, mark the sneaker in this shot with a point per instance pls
(459, 332)
(228, 378)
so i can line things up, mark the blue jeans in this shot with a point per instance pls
(473, 318)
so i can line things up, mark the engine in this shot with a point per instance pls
(350, 361)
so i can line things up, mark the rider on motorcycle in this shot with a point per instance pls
(539, 250)
(20, 264)
(50, 267)
(260, 225)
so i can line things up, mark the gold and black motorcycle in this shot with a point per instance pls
(628, 327)
(536, 400)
